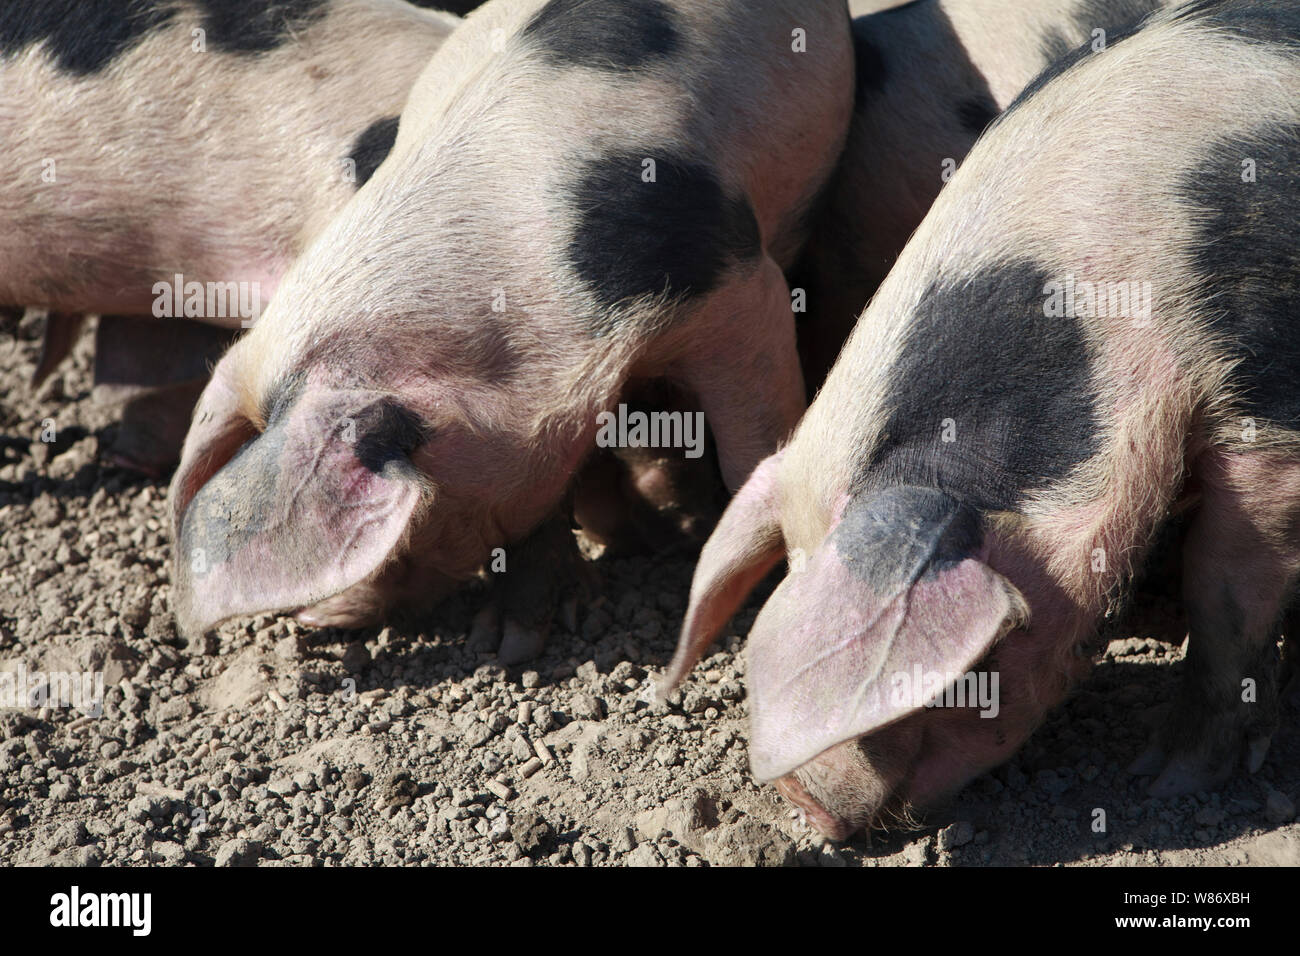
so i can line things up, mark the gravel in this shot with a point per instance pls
(271, 745)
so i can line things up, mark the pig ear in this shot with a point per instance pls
(217, 431)
(301, 512)
(746, 544)
(837, 650)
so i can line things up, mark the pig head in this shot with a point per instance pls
(530, 251)
(897, 658)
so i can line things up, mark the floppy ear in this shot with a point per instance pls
(897, 585)
(217, 431)
(311, 506)
(746, 545)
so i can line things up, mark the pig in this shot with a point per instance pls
(977, 483)
(931, 75)
(160, 144)
(581, 196)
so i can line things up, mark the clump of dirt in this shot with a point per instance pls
(275, 745)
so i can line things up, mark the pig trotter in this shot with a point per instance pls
(530, 590)
(153, 429)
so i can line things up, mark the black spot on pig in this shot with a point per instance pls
(81, 37)
(1248, 265)
(977, 113)
(675, 236)
(894, 536)
(257, 26)
(1113, 15)
(1016, 384)
(615, 35)
(1119, 19)
(458, 7)
(1056, 47)
(1266, 22)
(373, 146)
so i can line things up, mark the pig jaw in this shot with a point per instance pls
(853, 785)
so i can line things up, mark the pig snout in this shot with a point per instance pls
(853, 786)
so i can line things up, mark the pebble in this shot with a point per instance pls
(1278, 807)
(238, 852)
(530, 832)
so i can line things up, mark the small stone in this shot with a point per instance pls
(521, 747)
(478, 734)
(291, 648)
(239, 852)
(177, 708)
(585, 706)
(355, 779)
(530, 832)
(62, 792)
(1209, 816)
(356, 657)
(668, 756)
(172, 854)
(1278, 807)
(145, 806)
(400, 790)
(68, 835)
(731, 690)
(283, 786)
(956, 834)
(645, 855)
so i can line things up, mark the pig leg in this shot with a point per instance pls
(639, 499)
(528, 593)
(635, 500)
(153, 429)
(61, 332)
(158, 369)
(1239, 567)
(745, 370)
(9, 321)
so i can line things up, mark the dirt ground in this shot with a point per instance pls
(273, 745)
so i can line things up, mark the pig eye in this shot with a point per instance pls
(281, 398)
(387, 430)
